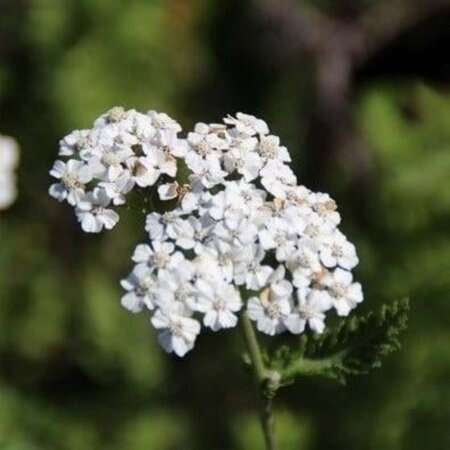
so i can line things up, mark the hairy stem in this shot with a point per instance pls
(263, 379)
(268, 423)
(253, 349)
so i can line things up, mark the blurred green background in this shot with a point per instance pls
(357, 89)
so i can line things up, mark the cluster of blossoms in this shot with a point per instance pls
(9, 159)
(123, 150)
(243, 236)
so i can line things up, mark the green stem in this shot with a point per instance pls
(263, 377)
(253, 349)
(311, 367)
(268, 423)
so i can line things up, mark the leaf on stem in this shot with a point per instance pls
(355, 347)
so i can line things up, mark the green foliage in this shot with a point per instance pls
(405, 248)
(354, 347)
(78, 372)
(412, 154)
(293, 431)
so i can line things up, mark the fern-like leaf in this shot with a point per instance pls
(356, 346)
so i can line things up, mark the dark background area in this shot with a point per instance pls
(357, 90)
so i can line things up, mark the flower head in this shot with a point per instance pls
(123, 150)
(236, 232)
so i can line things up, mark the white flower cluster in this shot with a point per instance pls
(9, 159)
(243, 235)
(101, 165)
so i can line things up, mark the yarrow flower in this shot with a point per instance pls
(237, 234)
(9, 160)
(124, 150)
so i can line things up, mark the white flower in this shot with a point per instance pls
(225, 205)
(244, 160)
(161, 160)
(115, 115)
(277, 178)
(344, 293)
(122, 149)
(325, 207)
(147, 169)
(338, 251)
(223, 256)
(163, 123)
(75, 141)
(240, 213)
(278, 235)
(172, 145)
(117, 189)
(189, 202)
(143, 172)
(202, 146)
(192, 195)
(317, 230)
(248, 269)
(109, 163)
(158, 225)
(310, 309)
(73, 176)
(247, 124)
(208, 170)
(219, 302)
(8, 191)
(205, 138)
(202, 231)
(9, 154)
(175, 286)
(117, 134)
(238, 200)
(304, 263)
(93, 213)
(139, 286)
(143, 128)
(269, 149)
(204, 153)
(240, 232)
(182, 232)
(207, 267)
(301, 198)
(9, 159)
(168, 191)
(155, 226)
(160, 256)
(271, 308)
(178, 332)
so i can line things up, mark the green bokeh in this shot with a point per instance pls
(76, 370)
